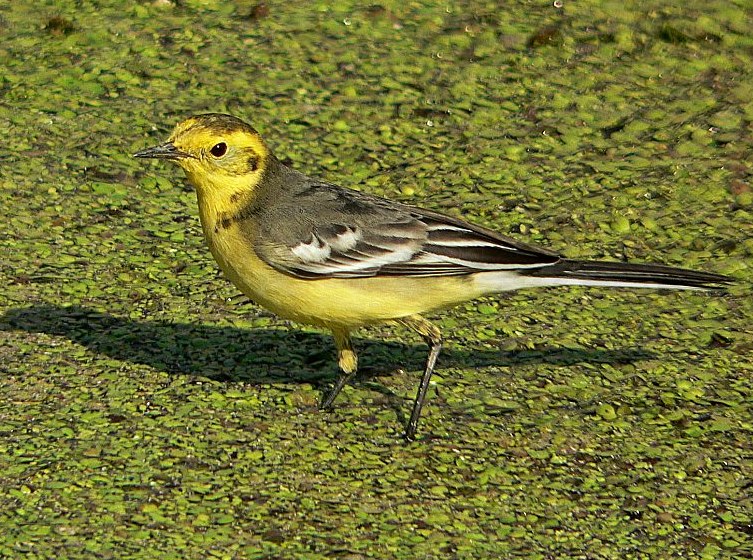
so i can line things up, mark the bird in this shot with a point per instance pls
(325, 255)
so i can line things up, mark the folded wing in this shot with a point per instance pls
(346, 234)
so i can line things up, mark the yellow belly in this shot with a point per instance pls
(332, 302)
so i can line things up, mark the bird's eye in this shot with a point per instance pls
(218, 150)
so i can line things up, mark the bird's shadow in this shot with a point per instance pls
(257, 355)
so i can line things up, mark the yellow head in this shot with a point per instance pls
(218, 152)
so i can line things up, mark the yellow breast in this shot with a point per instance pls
(329, 302)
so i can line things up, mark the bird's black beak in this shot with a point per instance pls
(163, 151)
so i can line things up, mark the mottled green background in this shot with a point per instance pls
(146, 412)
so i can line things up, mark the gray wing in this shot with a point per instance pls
(334, 232)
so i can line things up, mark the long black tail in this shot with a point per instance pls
(599, 273)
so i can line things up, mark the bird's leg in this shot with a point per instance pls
(433, 338)
(348, 362)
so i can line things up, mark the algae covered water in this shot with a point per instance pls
(148, 412)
